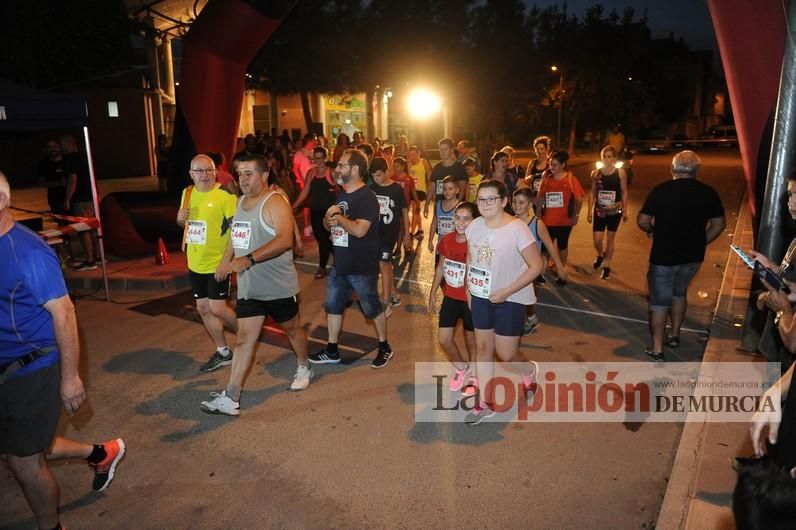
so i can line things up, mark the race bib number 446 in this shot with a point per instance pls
(241, 234)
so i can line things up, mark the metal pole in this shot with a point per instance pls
(94, 196)
(560, 106)
(783, 149)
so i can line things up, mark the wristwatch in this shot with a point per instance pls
(252, 263)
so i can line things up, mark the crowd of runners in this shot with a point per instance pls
(494, 232)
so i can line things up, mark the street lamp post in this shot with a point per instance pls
(555, 68)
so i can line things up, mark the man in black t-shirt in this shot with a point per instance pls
(447, 166)
(683, 215)
(52, 175)
(79, 201)
(392, 214)
(354, 225)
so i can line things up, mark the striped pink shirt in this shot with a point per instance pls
(497, 250)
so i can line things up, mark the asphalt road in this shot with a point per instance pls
(347, 453)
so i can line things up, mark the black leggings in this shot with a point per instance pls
(322, 236)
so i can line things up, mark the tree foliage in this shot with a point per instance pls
(492, 58)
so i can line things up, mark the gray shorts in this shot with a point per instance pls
(667, 282)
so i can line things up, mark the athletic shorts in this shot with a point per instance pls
(667, 282)
(386, 247)
(506, 318)
(280, 309)
(339, 288)
(454, 310)
(206, 286)
(30, 406)
(421, 195)
(609, 222)
(560, 234)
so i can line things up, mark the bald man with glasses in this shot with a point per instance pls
(205, 214)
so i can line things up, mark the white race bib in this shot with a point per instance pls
(455, 272)
(537, 183)
(479, 282)
(444, 225)
(606, 198)
(384, 204)
(339, 236)
(241, 234)
(197, 233)
(439, 187)
(554, 199)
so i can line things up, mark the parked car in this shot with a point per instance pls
(720, 136)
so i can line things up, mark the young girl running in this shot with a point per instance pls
(502, 262)
(442, 223)
(523, 208)
(452, 268)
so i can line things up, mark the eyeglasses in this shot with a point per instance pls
(340, 164)
(488, 200)
(320, 158)
(203, 171)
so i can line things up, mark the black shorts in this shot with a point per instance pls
(609, 222)
(454, 310)
(206, 286)
(281, 309)
(30, 406)
(560, 234)
(421, 195)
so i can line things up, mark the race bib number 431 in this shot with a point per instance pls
(454, 272)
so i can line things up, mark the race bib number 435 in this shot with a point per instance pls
(479, 282)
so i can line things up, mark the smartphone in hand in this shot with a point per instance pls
(771, 277)
(746, 258)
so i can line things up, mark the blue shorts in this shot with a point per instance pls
(340, 287)
(667, 282)
(506, 318)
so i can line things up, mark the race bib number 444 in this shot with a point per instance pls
(197, 233)
(479, 282)
(241, 234)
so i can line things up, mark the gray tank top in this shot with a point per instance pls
(268, 280)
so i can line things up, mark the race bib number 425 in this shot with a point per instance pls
(339, 236)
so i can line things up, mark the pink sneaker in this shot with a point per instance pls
(457, 381)
(529, 382)
(471, 388)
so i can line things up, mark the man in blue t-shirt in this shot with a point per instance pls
(354, 225)
(39, 358)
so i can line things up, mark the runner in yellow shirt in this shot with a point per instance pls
(207, 213)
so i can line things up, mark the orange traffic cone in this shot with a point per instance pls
(161, 256)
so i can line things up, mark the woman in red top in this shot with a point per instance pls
(563, 197)
(452, 268)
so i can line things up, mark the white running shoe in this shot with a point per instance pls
(221, 404)
(302, 378)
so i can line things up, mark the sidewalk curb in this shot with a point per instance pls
(679, 495)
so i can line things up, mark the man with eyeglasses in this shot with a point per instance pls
(354, 224)
(207, 219)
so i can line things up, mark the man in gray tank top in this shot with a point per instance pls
(261, 253)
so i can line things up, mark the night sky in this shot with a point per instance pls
(689, 19)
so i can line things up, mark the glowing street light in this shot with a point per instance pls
(423, 103)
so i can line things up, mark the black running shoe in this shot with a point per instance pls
(606, 273)
(597, 262)
(382, 358)
(216, 361)
(325, 357)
